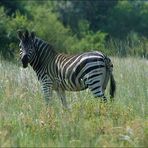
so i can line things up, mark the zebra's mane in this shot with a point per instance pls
(40, 44)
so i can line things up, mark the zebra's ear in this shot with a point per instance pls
(20, 34)
(32, 35)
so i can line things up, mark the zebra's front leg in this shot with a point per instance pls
(62, 96)
(47, 92)
(46, 87)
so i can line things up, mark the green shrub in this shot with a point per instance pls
(48, 27)
(42, 21)
(45, 21)
(91, 41)
(8, 29)
(4, 39)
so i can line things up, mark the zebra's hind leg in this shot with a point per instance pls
(62, 96)
(98, 92)
(102, 96)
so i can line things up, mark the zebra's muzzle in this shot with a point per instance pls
(24, 60)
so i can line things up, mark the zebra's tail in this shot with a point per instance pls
(112, 85)
(109, 67)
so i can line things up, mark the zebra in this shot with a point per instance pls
(63, 72)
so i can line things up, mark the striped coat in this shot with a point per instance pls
(62, 72)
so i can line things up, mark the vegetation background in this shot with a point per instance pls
(119, 28)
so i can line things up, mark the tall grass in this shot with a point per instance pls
(26, 122)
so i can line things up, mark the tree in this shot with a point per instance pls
(94, 12)
(12, 5)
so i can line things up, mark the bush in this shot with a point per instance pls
(48, 27)
(45, 22)
(4, 39)
(91, 41)
(42, 21)
(8, 29)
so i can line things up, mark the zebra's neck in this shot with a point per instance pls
(42, 55)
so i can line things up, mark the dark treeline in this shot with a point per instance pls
(117, 27)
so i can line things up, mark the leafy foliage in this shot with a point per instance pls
(4, 36)
(49, 28)
(91, 41)
(114, 27)
(95, 12)
(46, 26)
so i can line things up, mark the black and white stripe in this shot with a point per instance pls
(62, 72)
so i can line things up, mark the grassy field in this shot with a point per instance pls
(26, 122)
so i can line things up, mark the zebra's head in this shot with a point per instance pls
(26, 46)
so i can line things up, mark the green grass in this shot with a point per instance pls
(26, 122)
